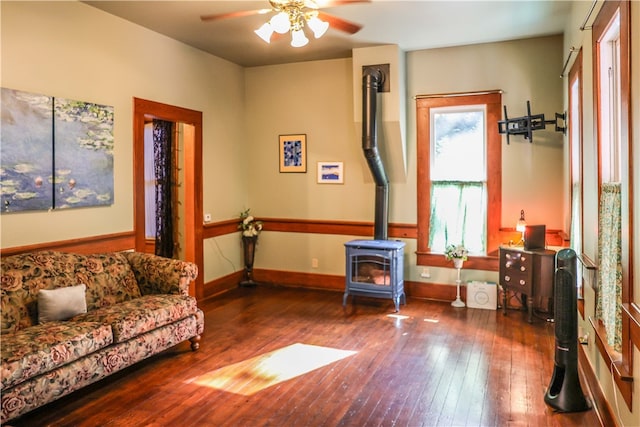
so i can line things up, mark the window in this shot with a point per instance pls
(611, 47)
(458, 179)
(609, 108)
(575, 165)
(608, 308)
(459, 175)
(610, 146)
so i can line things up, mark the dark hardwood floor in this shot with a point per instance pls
(363, 365)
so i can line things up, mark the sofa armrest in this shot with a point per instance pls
(158, 275)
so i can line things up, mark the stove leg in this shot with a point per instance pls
(344, 299)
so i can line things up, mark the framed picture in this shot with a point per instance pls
(330, 173)
(293, 153)
(39, 131)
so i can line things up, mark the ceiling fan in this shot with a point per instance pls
(293, 15)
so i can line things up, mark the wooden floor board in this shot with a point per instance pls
(428, 365)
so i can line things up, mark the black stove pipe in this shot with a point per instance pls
(372, 80)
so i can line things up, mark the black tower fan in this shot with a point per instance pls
(564, 393)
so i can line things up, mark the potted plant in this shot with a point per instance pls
(457, 253)
(251, 229)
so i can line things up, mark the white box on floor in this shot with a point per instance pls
(482, 295)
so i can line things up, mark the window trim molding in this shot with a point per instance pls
(493, 102)
(600, 26)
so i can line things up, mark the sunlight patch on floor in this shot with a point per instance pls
(398, 316)
(432, 320)
(250, 376)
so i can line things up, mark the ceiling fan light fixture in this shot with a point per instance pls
(298, 39)
(318, 26)
(265, 32)
(280, 22)
(291, 16)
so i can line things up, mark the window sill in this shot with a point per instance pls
(633, 311)
(488, 263)
(621, 374)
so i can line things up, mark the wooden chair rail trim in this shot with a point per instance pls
(633, 312)
(352, 228)
(587, 262)
(103, 243)
(215, 229)
(553, 237)
(121, 241)
(621, 373)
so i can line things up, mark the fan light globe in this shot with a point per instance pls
(318, 26)
(298, 39)
(280, 23)
(265, 32)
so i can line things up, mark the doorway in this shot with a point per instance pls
(191, 196)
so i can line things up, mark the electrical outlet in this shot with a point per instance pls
(207, 217)
(314, 262)
(426, 273)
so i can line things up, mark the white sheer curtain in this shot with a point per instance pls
(149, 184)
(458, 212)
(609, 302)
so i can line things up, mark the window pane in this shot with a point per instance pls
(458, 216)
(576, 174)
(459, 144)
(609, 51)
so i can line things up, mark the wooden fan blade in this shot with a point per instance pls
(333, 3)
(339, 23)
(238, 14)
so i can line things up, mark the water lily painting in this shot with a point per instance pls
(54, 153)
(83, 154)
(26, 151)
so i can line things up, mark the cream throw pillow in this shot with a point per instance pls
(61, 303)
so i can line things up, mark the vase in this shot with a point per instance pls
(249, 249)
(457, 263)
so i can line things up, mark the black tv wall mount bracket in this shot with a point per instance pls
(527, 124)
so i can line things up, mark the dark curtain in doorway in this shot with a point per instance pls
(165, 181)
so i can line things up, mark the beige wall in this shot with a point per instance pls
(316, 98)
(71, 50)
(524, 70)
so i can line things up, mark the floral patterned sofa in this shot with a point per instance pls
(136, 306)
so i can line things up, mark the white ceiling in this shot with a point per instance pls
(413, 25)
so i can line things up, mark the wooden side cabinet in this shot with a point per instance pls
(528, 272)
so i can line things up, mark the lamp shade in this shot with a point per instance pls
(280, 23)
(318, 26)
(298, 39)
(265, 32)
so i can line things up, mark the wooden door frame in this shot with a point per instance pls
(143, 110)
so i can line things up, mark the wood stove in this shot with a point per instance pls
(374, 268)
